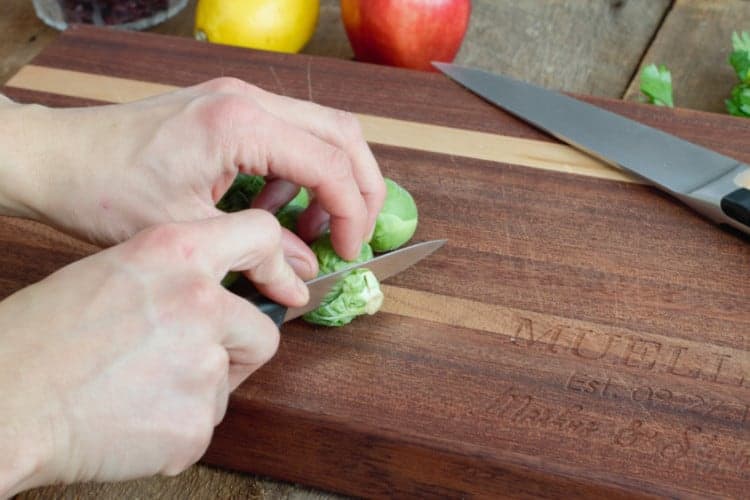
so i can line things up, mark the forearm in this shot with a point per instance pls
(22, 156)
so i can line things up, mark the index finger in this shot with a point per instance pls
(249, 241)
(341, 129)
(298, 156)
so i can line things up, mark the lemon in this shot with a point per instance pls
(277, 25)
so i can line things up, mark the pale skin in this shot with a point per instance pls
(120, 365)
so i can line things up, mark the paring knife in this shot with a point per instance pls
(383, 266)
(707, 181)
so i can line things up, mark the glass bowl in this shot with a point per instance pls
(125, 14)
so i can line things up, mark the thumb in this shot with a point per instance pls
(249, 241)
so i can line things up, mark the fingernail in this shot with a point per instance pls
(324, 227)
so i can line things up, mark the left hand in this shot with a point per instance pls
(104, 173)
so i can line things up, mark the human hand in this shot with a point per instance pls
(103, 173)
(120, 365)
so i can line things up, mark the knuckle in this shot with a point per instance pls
(267, 225)
(214, 363)
(274, 338)
(228, 84)
(201, 296)
(222, 112)
(339, 166)
(380, 192)
(268, 343)
(163, 237)
(348, 124)
(349, 127)
(193, 438)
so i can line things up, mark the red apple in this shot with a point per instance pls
(406, 33)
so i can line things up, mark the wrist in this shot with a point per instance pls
(23, 158)
(33, 431)
(24, 460)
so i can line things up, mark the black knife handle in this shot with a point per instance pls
(737, 205)
(245, 289)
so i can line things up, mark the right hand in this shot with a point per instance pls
(120, 365)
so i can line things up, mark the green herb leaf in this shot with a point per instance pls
(656, 84)
(741, 41)
(739, 102)
(740, 57)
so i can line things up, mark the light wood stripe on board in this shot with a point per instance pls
(388, 131)
(586, 340)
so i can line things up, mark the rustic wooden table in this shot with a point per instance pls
(585, 46)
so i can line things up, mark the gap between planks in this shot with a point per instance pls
(380, 130)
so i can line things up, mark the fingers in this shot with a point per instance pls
(249, 241)
(313, 222)
(275, 194)
(311, 162)
(306, 144)
(299, 255)
(250, 337)
(339, 129)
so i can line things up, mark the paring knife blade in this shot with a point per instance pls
(382, 266)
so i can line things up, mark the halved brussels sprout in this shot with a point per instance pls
(357, 293)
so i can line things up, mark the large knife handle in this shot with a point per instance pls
(245, 289)
(737, 205)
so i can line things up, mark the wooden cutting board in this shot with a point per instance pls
(580, 333)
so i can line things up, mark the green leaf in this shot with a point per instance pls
(241, 193)
(289, 213)
(740, 56)
(397, 220)
(741, 41)
(656, 84)
(739, 102)
(356, 294)
(329, 261)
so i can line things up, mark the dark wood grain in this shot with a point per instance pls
(575, 337)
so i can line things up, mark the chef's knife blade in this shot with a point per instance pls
(383, 266)
(705, 180)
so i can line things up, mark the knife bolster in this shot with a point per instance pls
(737, 205)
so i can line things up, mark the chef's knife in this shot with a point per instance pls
(707, 181)
(383, 266)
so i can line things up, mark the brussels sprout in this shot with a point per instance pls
(356, 294)
(289, 213)
(397, 220)
(328, 259)
(241, 193)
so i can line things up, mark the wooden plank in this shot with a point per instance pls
(22, 36)
(576, 335)
(529, 39)
(376, 129)
(581, 46)
(439, 139)
(695, 43)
